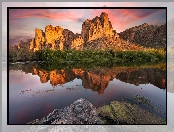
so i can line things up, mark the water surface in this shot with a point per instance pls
(35, 92)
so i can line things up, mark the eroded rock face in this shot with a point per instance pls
(56, 38)
(80, 112)
(52, 34)
(39, 39)
(96, 28)
(98, 33)
(146, 35)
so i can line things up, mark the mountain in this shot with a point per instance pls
(98, 33)
(146, 35)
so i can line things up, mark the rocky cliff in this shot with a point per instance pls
(55, 38)
(146, 35)
(96, 28)
(98, 33)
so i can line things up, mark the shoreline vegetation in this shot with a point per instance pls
(95, 56)
(66, 59)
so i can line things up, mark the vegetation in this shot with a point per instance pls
(88, 55)
(67, 59)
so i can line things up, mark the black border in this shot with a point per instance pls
(8, 8)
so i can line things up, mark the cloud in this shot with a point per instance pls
(123, 18)
(138, 13)
(45, 13)
(120, 18)
(80, 20)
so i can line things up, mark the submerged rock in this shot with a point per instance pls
(80, 112)
(126, 113)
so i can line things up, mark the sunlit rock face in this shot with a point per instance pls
(39, 39)
(77, 43)
(96, 28)
(52, 34)
(98, 33)
(56, 38)
(146, 35)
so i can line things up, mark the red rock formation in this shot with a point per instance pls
(98, 33)
(39, 39)
(56, 38)
(96, 28)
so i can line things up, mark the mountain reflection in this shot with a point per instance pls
(98, 79)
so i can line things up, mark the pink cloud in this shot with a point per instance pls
(120, 18)
(45, 13)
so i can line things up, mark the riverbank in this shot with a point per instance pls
(95, 56)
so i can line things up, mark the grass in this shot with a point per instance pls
(56, 58)
(102, 56)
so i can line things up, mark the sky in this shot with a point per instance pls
(22, 22)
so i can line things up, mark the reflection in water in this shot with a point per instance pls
(31, 96)
(98, 80)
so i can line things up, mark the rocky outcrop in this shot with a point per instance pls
(83, 112)
(126, 113)
(55, 38)
(80, 112)
(77, 43)
(96, 28)
(146, 35)
(98, 33)
(39, 39)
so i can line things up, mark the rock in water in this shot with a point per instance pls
(80, 112)
(126, 113)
